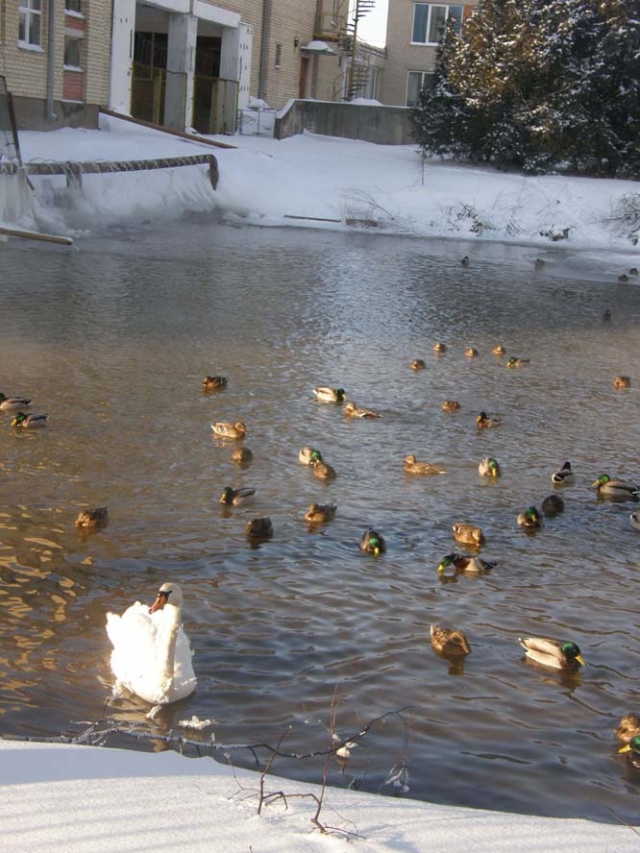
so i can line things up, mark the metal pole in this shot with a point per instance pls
(264, 49)
(51, 60)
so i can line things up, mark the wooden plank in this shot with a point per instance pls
(190, 136)
(35, 235)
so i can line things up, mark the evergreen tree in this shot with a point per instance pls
(539, 85)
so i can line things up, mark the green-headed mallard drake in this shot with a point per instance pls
(628, 727)
(450, 406)
(530, 518)
(449, 641)
(372, 543)
(23, 421)
(309, 455)
(619, 383)
(612, 487)
(483, 421)
(229, 430)
(489, 467)
(499, 350)
(468, 534)
(517, 362)
(633, 751)
(417, 364)
(465, 261)
(259, 528)
(634, 519)
(552, 505)
(439, 347)
(12, 404)
(92, 519)
(563, 476)
(471, 352)
(557, 654)
(624, 278)
(237, 497)
(352, 411)
(466, 563)
(319, 513)
(214, 383)
(323, 470)
(413, 466)
(330, 395)
(241, 455)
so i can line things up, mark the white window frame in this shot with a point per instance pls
(430, 7)
(420, 88)
(30, 11)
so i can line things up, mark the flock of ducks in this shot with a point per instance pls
(151, 654)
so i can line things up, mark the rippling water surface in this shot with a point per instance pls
(304, 634)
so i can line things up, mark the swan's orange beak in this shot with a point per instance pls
(159, 603)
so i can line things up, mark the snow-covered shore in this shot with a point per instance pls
(315, 181)
(60, 798)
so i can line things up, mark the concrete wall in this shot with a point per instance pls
(382, 125)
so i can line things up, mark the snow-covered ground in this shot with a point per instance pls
(328, 182)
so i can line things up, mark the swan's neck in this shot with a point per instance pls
(168, 643)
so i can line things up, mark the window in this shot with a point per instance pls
(429, 21)
(278, 55)
(72, 52)
(73, 6)
(416, 82)
(30, 23)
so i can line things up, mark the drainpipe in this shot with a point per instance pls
(264, 49)
(51, 60)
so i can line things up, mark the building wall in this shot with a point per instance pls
(402, 55)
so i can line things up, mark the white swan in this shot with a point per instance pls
(151, 654)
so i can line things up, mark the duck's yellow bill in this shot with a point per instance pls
(625, 748)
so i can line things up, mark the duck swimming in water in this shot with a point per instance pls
(556, 654)
(449, 641)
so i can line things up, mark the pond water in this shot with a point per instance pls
(304, 636)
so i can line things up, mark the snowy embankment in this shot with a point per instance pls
(315, 181)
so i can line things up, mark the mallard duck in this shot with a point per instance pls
(229, 430)
(33, 421)
(372, 543)
(483, 421)
(552, 505)
(563, 476)
(319, 513)
(449, 641)
(469, 534)
(309, 455)
(259, 528)
(633, 751)
(151, 654)
(634, 518)
(92, 519)
(465, 261)
(214, 383)
(517, 362)
(624, 278)
(606, 315)
(417, 364)
(633, 271)
(619, 383)
(439, 347)
(608, 487)
(471, 352)
(450, 406)
(530, 518)
(323, 470)
(12, 404)
(237, 497)
(489, 467)
(466, 563)
(538, 263)
(241, 455)
(628, 727)
(558, 654)
(412, 466)
(352, 411)
(499, 350)
(330, 395)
